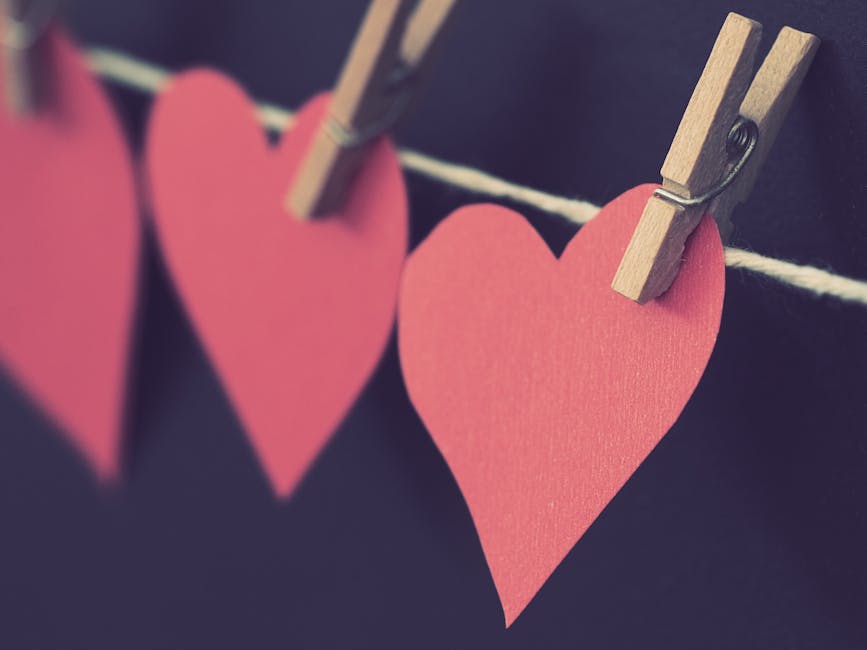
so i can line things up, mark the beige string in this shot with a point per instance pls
(139, 75)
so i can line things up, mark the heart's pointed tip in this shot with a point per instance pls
(511, 611)
(282, 492)
(282, 482)
(109, 479)
(513, 600)
(107, 469)
(98, 445)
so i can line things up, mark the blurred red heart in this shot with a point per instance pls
(69, 255)
(542, 387)
(294, 315)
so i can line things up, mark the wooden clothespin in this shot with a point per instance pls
(23, 24)
(372, 93)
(726, 133)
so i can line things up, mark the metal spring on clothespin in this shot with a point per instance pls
(399, 87)
(728, 116)
(740, 144)
(375, 87)
(24, 22)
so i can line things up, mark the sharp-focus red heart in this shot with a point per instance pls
(542, 387)
(69, 255)
(293, 315)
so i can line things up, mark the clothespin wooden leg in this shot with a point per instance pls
(367, 100)
(698, 158)
(767, 103)
(19, 69)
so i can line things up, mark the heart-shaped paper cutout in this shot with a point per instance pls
(542, 387)
(294, 315)
(69, 254)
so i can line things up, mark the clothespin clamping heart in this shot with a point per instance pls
(372, 94)
(726, 133)
(24, 22)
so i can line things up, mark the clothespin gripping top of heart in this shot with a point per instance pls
(726, 133)
(375, 86)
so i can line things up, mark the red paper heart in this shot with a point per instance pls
(69, 251)
(294, 315)
(542, 387)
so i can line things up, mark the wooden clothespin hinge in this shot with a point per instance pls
(22, 25)
(727, 131)
(372, 93)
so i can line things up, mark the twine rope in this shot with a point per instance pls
(146, 77)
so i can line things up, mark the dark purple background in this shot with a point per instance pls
(746, 528)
